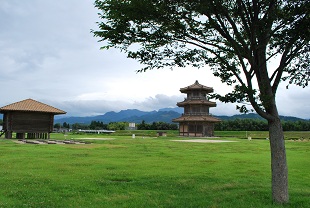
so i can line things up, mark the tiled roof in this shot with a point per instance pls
(196, 118)
(197, 86)
(203, 102)
(31, 105)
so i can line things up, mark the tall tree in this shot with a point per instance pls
(237, 38)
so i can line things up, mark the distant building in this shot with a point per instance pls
(131, 126)
(28, 118)
(196, 120)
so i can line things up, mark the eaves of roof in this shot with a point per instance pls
(197, 118)
(30, 105)
(196, 102)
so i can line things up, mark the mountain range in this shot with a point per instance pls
(164, 115)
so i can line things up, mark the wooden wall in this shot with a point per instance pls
(196, 129)
(28, 122)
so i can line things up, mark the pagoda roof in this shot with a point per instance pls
(196, 86)
(30, 105)
(195, 102)
(197, 118)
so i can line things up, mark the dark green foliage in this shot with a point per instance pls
(236, 124)
(157, 126)
(79, 126)
(95, 125)
(242, 125)
(117, 125)
(260, 125)
(66, 125)
(57, 125)
(296, 126)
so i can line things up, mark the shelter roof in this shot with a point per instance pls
(31, 105)
(197, 118)
(196, 86)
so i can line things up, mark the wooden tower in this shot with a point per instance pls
(196, 120)
(28, 117)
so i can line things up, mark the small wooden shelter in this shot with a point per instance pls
(196, 120)
(28, 118)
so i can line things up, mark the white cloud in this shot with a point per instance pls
(47, 53)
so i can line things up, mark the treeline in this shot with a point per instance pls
(94, 125)
(225, 125)
(97, 125)
(259, 125)
(157, 126)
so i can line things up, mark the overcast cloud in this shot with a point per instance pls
(47, 53)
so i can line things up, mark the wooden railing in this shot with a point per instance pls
(196, 114)
(196, 98)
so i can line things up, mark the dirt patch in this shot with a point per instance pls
(202, 141)
(44, 141)
(30, 141)
(95, 138)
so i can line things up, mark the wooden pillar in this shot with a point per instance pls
(8, 135)
(181, 131)
(187, 129)
(20, 135)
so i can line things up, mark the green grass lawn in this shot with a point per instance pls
(147, 172)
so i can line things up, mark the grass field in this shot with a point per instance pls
(148, 172)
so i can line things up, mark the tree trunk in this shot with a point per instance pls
(278, 162)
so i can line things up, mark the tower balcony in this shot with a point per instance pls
(196, 102)
(195, 98)
(196, 114)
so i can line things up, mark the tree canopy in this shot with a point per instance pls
(251, 45)
(236, 38)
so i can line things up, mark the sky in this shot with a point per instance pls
(47, 53)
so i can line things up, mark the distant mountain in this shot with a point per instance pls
(256, 116)
(164, 115)
(135, 116)
(176, 109)
(106, 118)
(123, 115)
(240, 116)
